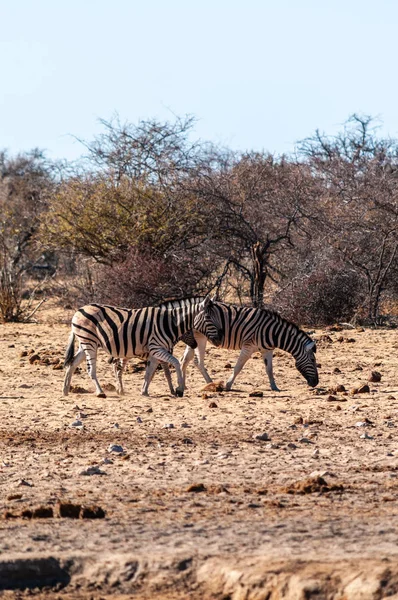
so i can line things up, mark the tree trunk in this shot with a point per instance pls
(258, 255)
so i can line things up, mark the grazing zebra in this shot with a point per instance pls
(149, 332)
(251, 330)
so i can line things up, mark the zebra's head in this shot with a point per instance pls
(207, 322)
(306, 363)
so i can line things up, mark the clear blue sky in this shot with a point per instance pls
(257, 74)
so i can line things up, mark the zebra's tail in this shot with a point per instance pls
(70, 351)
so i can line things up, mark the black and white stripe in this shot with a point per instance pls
(149, 332)
(252, 330)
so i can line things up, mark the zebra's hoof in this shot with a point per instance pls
(179, 393)
(101, 395)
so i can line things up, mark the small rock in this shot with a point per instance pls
(116, 426)
(228, 365)
(256, 394)
(149, 410)
(292, 446)
(205, 396)
(168, 426)
(305, 440)
(299, 420)
(92, 512)
(213, 405)
(196, 487)
(69, 510)
(187, 441)
(374, 377)
(336, 370)
(338, 407)
(363, 389)
(107, 461)
(93, 470)
(264, 437)
(24, 482)
(185, 425)
(76, 423)
(116, 449)
(360, 424)
(139, 420)
(214, 386)
(315, 454)
(366, 436)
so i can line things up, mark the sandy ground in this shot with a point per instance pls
(202, 508)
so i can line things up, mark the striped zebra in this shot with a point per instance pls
(149, 332)
(251, 330)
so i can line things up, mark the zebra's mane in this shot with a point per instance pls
(272, 313)
(179, 303)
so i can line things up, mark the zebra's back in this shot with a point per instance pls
(121, 332)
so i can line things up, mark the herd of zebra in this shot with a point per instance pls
(152, 332)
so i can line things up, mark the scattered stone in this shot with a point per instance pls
(205, 396)
(196, 487)
(24, 482)
(43, 512)
(24, 386)
(305, 440)
(337, 389)
(107, 461)
(109, 387)
(299, 420)
(256, 394)
(93, 470)
(77, 423)
(331, 398)
(77, 389)
(33, 358)
(366, 436)
(117, 426)
(311, 485)
(69, 510)
(228, 365)
(315, 454)
(336, 370)
(116, 449)
(264, 437)
(363, 389)
(187, 441)
(23, 353)
(338, 407)
(391, 398)
(139, 420)
(358, 367)
(149, 410)
(214, 386)
(374, 377)
(292, 446)
(213, 405)
(92, 512)
(185, 425)
(14, 497)
(168, 426)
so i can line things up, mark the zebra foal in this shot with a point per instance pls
(252, 330)
(149, 332)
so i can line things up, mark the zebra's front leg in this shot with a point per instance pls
(199, 359)
(91, 357)
(244, 356)
(79, 357)
(151, 367)
(118, 367)
(267, 358)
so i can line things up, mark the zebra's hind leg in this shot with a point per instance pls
(91, 357)
(78, 358)
(167, 374)
(244, 356)
(164, 356)
(118, 367)
(267, 358)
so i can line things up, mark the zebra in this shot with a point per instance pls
(149, 332)
(251, 330)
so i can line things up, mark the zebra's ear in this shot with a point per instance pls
(207, 302)
(311, 347)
